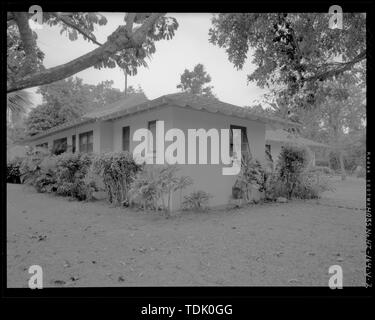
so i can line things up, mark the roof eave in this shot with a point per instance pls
(58, 129)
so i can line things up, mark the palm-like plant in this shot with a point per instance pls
(18, 103)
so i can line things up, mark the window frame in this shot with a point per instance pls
(74, 143)
(243, 129)
(63, 141)
(86, 134)
(153, 151)
(124, 142)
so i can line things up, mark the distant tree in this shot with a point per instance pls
(132, 90)
(67, 100)
(342, 115)
(337, 118)
(292, 52)
(127, 47)
(196, 82)
(99, 95)
(261, 111)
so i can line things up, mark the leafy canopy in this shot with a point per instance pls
(196, 82)
(292, 52)
(67, 100)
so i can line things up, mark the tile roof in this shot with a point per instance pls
(217, 106)
(281, 135)
(130, 101)
(134, 104)
(113, 108)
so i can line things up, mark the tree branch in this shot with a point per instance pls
(129, 19)
(342, 67)
(117, 41)
(75, 27)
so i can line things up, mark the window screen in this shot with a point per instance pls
(86, 142)
(152, 128)
(245, 149)
(126, 138)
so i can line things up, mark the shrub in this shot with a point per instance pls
(274, 187)
(71, 170)
(13, 174)
(251, 176)
(311, 186)
(45, 180)
(30, 169)
(197, 200)
(154, 185)
(118, 171)
(292, 161)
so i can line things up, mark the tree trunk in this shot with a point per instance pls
(342, 166)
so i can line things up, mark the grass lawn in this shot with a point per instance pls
(91, 244)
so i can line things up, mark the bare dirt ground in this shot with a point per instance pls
(90, 244)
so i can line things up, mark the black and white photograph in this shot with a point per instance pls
(186, 149)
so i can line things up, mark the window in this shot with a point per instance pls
(60, 146)
(42, 145)
(126, 138)
(152, 128)
(268, 148)
(73, 143)
(245, 149)
(86, 142)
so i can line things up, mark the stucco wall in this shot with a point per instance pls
(209, 177)
(106, 136)
(205, 177)
(95, 127)
(138, 121)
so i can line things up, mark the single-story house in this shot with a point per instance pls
(112, 129)
(276, 139)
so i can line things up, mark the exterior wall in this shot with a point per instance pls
(95, 127)
(205, 177)
(209, 177)
(138, 121)
(108, 137)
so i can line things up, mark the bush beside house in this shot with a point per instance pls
(118, 170)
(13, 174)
(153, 187)
(291, 178)
(79, 175)
(197, 200)
(63, 174)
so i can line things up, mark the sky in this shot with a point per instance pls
(187, 48)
